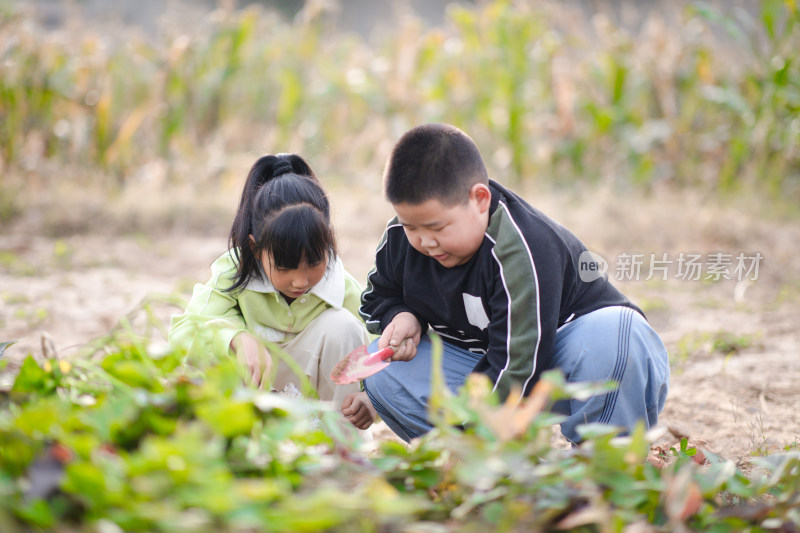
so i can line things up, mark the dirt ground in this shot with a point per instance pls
(734, 345)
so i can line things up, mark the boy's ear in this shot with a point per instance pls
(482, 196)
(252, 242)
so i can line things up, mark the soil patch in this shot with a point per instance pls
(733, 343)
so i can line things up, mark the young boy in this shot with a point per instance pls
(500, 282)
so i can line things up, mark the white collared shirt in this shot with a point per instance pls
(259, 307)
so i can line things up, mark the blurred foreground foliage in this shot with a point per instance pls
(710, 100)
(130, 437)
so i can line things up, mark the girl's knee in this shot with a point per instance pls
(339, 324)
(337, 318)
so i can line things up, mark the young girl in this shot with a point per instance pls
(280, 281)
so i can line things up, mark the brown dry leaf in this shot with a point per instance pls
(511, 419)
(751, 512)
(583, 517)
(683, 498)
(48, 346)
(658, 457)
(694, 499)
(639, 527)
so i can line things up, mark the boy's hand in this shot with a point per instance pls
(358, 410)
(252, 353)
(403, 335)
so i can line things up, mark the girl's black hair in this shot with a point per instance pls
(285, 209)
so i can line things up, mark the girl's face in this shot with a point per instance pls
(293, 282)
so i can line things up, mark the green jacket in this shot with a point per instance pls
(213, 316)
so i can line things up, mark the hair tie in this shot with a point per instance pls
(281, 167)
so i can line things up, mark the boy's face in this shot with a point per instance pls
(449, 234)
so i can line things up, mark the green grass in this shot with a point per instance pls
(169, 441)
(705, 343)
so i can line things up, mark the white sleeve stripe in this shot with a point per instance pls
(538, 304)
(508, 313)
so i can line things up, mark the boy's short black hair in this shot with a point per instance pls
(433, 161)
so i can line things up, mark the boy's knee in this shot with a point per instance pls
(385, 388)
(650, 364)
(377, 385)
(648, 351)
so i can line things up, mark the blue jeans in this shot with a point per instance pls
(613, 343)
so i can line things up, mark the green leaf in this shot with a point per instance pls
(37, 513)
(86, 481)
(228, 417)
(40, 419)
(110, 417)
(33, 378)
(716, 476)
(133, 373)
(729, 97)
(440, 396)
(772, 11)
(711, 14)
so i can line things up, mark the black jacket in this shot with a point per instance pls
(505, 303)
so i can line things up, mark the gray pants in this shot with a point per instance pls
(317, 349)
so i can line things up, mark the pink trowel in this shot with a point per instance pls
(360, 364)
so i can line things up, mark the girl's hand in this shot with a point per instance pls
(403, 335)
(253, 355)
(357, 409)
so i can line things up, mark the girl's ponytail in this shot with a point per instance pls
(281, 167)
(273, 183)
(263, 170)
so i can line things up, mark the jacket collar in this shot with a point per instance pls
(330, 289)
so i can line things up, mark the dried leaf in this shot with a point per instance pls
(682, 497)
(48, 346)
(511, 419)
(583, 517)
